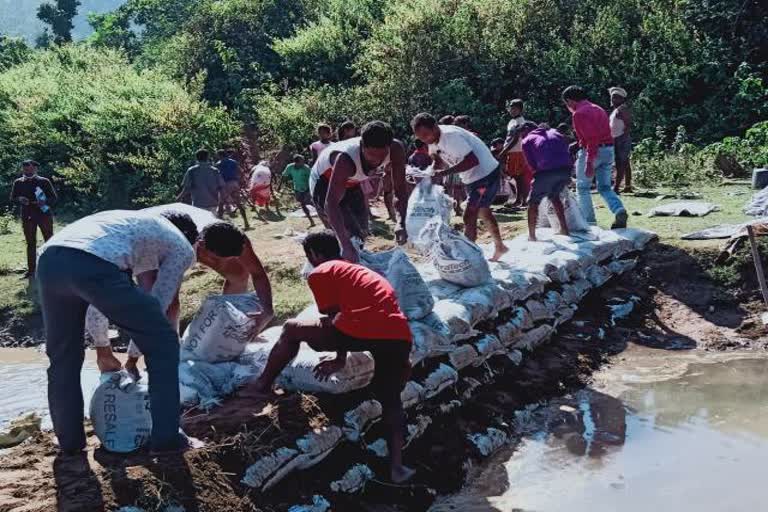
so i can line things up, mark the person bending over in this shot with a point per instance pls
(361, 314)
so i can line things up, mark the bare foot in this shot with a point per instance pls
(500, 251)
(402, 474)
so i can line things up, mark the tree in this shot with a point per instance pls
(12, 51)
(59, 17)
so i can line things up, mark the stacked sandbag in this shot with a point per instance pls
(427, 201)
(456, 258)
(573, 215)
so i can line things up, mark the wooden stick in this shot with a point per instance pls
(758, 264)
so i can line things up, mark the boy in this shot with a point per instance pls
(230, 173)
(361, 315)
(512, 154)
(546, 151)
(458, 152)
(346, 130)
(621, 127)
(324, 134)
(203, 184)
(298, 173)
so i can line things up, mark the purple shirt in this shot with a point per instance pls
(546, 150)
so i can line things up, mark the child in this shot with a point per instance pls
(512, 154)
(324, 134)
(298, 173)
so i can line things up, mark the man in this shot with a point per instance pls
(546, 151)
(512, 154)
(465, 122)
(346, 130)
(36, 195)
(621, 127)
(361, 314)
(596, 156)
(447, 119)
(336, 177)
(298, 173)
(458, 152)
(88, 263)
(236, 270)
(230, 174)
(324, 134)
(203, 183)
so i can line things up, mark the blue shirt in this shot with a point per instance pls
(229, 169)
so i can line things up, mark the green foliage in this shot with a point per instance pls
(113, 136)
(59, 16)
(6, 221)
(12, 51)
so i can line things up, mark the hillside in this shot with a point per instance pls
(18, 17)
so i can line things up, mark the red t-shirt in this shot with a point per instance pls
(366, 302)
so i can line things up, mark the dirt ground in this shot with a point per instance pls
(679, 308)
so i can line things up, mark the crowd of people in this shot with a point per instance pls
(89, 267)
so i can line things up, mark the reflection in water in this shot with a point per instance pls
(698, 442)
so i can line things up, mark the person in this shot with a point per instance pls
(88, 262)
(453, 185)
(260, 184)
(546, 151)
(336, 183)
(447, 119)
(298, 173)
(596, 156)
(496, 146)
(361, 313)
(420, 157)
(203, 184)
(465, 122)
(512, 154)
(35, 195)
(230, 174)
(346, 130)
(457, 151)
(621, 131)
(324, 134)
(235, 270)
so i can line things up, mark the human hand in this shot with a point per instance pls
(325, 369)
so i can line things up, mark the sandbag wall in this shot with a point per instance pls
(535, 288)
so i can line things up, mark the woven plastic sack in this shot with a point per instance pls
(120, 412)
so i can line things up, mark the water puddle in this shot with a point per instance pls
(698, 441)
(25, 382)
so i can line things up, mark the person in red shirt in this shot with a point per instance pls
(361, 314)
(596, 156)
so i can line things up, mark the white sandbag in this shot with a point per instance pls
(573, 216)
(535, 337)
(487, 347)
(489, 441)
(441, 378)
(413, 394)
(426, 202)
(539, 311)
(413, 431)
(456, 259)
(463, 356)
(299, 375)
(534, 257)
(598, 275)
(412, 293)
(256, 355)
(317, 445)
(427, 342)
(458, 317)
(618, 242)
(442, 289)
(684, 209)
(353, 480)
(271, 468)
(212, 382)
(490, 299)
(120, 412)
(639, 237)
(618, 267)
(515, 356)
(511, 330)
(359, 419)
(468, 387)
(222, 327)
(519, 284)
(565, 313)
(319, 504)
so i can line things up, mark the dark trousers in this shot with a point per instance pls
(29, 226)
(68, 281)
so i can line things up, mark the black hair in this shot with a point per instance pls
(223, 239)
(418, 144)
(346, 125)
(297, 156)
(449, 119)
(377, 134)
(563, 128)
(322, 243)
(423, 120)
(223, 153)
(462, 120)
(574, 93)
(516, 103)
(202, 155)
(324, 127)
(497, 140)
(32, 163)
(183, 223)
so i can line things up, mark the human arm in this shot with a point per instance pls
(186, 186)
(16, 195)
(530, 155)
(261, 285)
(343, 170)
(466, 164)
(177, 257)
(50, 193)
(326, 297)
(397, 159)
(625, 114)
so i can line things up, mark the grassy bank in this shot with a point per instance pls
(283, 257)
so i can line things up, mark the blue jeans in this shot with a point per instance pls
(68, 281)
(603, 170)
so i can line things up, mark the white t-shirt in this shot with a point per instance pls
(617, 124)
(456, 143)
(260, 175)
(514, 123)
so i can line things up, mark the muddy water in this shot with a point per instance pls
(23, 382)
(697, 440)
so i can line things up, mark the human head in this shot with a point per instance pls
(222, 154)
(29, 167)
(298, 160)
(572, 95)
(515, 107)
(321, 246)
(564, 129)
(324, 131)
(497, 144)
(185, 224)
(463, 122)
(618, 96)
(220, 240)
(522, 131)
(346, 130)
(447, 120)
(376, 140)
(202, 155)
(425, 128)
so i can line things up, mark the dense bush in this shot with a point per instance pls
(114, 137)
